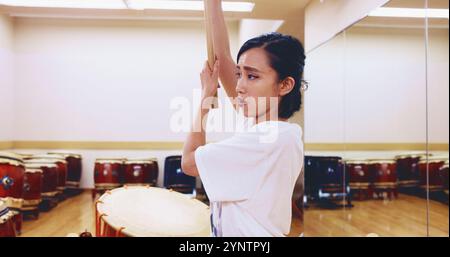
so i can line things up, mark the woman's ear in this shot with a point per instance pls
(286, 86)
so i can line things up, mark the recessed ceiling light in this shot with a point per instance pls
(409, 12)
(186, 5)
(90, 4)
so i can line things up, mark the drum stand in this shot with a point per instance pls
(17, 221)
(409, 187)
(31, 208)
(391, 191)
(48, 203)
(61, 197)
(435, 193)
(361, 193)
(336, 193)
(71, 192)
(33, 213)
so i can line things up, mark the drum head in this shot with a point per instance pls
(5, 213)
(11, 156)
(10, 162)
(37, 164)
(66, 154)
(149, 211)
(3, 206)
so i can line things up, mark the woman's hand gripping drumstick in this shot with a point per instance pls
(210, 79)
(197, 137)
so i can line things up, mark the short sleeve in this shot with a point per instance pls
(233, 169)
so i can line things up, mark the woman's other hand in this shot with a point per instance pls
(210, 80)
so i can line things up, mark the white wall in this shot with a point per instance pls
(325, 19)
(373, 90)
(438, 86)
(97, 80)
(6, 77)
(250, 28)
(322, 103)
(104, 80)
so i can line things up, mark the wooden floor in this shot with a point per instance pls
(405, 216)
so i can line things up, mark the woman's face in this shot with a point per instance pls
(258, 85)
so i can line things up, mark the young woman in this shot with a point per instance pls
(250, 181)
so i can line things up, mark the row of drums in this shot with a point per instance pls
(31, 183)
(110, 173)
(327, 176)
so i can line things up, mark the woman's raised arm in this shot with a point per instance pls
(221, 43)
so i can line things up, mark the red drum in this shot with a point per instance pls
(360, 180)
(11, 182)
(443, 172)
(62, 168)
(384, 176)
(32, 187)
(7, 228)
(108, 173)
(408, 169)
(49, 177)
(141, 171)
(435, 182)
(138, 211)
(73, 169)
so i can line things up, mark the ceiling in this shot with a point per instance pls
(409, 22)
(291, 11)
(264, 9)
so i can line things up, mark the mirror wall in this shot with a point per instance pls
(376, 127)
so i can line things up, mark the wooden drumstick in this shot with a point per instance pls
(210, 47)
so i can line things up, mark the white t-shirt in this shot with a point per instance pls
(250, 178)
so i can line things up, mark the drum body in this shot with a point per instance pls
(7, 228)
(174, 177)
(325, 181)
(358, 171)
(383, 173)
(62, 175)
(49, 177)
(331, 175)
(32, 188)
(141, 172)
(435, 182)
(61, 164)
(408, 170)
(443, 173)
(12, 174)
(311, 177)
(360, 180)
(108, 173)
(74, 169)
(139, 211)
